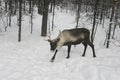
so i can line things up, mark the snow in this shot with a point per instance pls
(30, 59)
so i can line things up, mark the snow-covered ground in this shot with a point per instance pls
(30, 59)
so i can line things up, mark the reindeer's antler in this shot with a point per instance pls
(49, 38)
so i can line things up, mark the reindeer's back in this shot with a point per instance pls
(74, 34)
(77, 31)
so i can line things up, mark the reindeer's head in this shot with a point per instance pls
(53, 43)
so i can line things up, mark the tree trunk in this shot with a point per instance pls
(53, 15)
(78, 13)
(101, 13)
(30, 3)
(16, 6)
(94, 20)
(40, 6)
(31, 16)
(20, 20)
(44, 19)
(10, 11)
(110, 25)
(116, 19)
(6, 6)
(24, 5)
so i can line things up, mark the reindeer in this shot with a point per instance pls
(71, 37)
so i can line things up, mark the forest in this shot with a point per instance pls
(26, 25)
(97, 11)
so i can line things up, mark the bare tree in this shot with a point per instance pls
(53, 14)
(110, 25)
(10, 12)
(78, 13)
(94, 19)
(45, 18)
(31, 16)
(20, 20)
(116, 19)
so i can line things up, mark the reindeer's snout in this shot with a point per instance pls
(51, 51)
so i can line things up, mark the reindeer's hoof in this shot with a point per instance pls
(94, 56)
(83, 55)
(52, 60)
(67, 57)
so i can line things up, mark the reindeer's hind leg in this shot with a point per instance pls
(85, 47)
(69, 48)
(92, 46)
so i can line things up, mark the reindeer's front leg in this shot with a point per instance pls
(52, 59)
